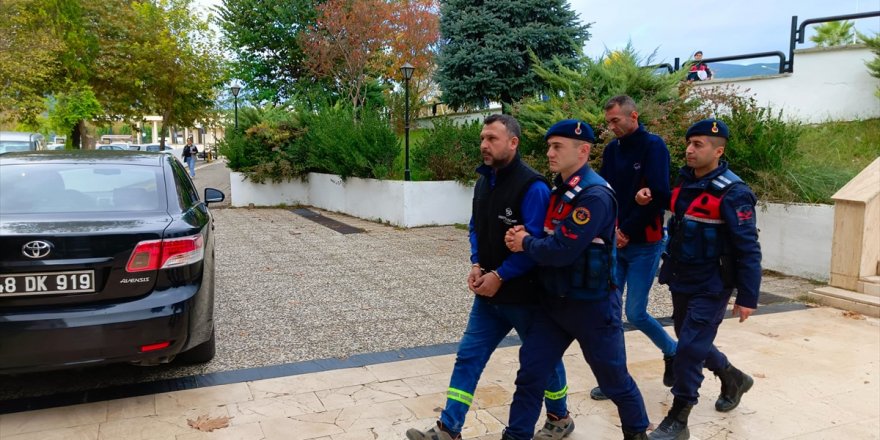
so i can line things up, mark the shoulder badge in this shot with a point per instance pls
(580, 215)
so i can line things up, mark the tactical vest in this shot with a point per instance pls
(591, 276)
(495, 211)
(698, 235)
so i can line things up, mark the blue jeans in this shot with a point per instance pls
(487, 325)
(597, 327)
(636, 268)
(191, 161)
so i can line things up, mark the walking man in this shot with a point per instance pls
(637, 159)
(580, 302)
(713, 248)
(508, 193)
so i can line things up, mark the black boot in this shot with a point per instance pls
(675, 425)
(634, 435)
(734, 384)
(668, 371)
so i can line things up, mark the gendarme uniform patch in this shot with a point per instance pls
(581, 215)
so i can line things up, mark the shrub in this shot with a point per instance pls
(266, 146)
(448, 151)
(277, 144)
(761, 142)
(337, 143)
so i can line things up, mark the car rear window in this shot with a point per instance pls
(42, 188)
(10, 146)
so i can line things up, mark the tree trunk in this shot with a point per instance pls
(76, 135)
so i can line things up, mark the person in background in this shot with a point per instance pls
(637, 159)
(698, 70)
(189, 156)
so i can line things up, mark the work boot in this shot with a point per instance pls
(668, 371)
(674, 425)
(597, 394)
(734, 384)
(435, 433)
(556, 428)
(634, 435)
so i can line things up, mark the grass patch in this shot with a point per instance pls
(828, 156)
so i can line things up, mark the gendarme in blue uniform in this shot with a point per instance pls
(576, 264)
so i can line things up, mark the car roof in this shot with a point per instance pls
(72, 156)
(17, 135)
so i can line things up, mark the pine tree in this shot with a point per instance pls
(485, 47)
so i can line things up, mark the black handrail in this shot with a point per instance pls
(798, 33)
(666, 66)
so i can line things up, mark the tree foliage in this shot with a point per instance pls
(264, 38)
(873, 43)
(833, 33)
(130, 56)
(484, 47)
(346, 43)
(72, 107)
(179, 71)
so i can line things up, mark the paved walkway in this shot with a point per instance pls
(817, 376)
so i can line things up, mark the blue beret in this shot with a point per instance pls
(573, 129)
(708, 127)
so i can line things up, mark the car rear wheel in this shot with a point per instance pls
(201, 353)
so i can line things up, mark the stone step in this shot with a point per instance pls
(870, 285)
(847, 300)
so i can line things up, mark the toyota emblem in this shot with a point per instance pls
(36, 249)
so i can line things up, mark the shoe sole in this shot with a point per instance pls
(747, 385)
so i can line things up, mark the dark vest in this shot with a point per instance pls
(495, 211)
(591, 276)
(697, 234)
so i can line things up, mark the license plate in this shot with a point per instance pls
(75, 281)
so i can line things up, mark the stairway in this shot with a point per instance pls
(865, 301)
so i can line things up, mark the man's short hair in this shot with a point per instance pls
(625, 102)
(510, 123)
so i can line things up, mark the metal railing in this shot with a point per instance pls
(785, 65)
(798, 33)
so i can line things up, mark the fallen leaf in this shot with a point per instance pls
(852, 315)
(205, 423)
(770, 335)
(760, 375)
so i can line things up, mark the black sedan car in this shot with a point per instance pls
(105, 257)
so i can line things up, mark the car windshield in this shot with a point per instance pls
(9, 146)
(59, 188)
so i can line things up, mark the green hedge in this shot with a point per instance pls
(276, 144)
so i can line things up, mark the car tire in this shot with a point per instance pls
(201, 353)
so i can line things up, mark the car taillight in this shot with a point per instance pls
(167, 253)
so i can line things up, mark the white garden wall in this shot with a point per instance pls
(828, 83)
(795, 239)
(406, 204)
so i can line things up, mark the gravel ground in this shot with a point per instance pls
(291, 290)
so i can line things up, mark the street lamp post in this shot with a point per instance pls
(407, 70)
(235, 89)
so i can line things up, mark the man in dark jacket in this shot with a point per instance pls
(637, 159)
(580, 301)
(713, 248)
(699, 71)
(508, 193)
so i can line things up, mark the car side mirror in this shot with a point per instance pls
(214, 195)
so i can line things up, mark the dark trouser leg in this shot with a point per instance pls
(598, 329)
(697, 317)
(541, 351)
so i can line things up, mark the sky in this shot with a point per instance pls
(733, 27)
(676, 29)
